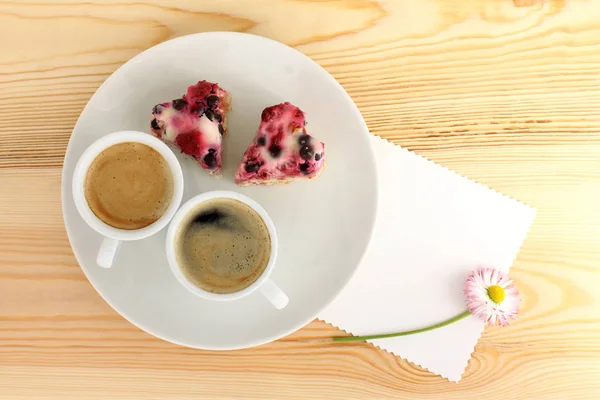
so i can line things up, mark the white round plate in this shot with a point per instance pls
(324, 226)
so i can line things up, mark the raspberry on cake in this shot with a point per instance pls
(195, 123)
(282, 150)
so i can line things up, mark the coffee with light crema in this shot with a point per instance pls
(222, 245)
(129, 186)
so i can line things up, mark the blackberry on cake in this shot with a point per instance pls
(195, 123)
(282, 150)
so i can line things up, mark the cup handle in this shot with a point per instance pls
(107, 252)
(275, 295)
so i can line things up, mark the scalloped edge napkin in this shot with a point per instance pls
(433, 228)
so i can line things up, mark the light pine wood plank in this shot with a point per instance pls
(504, 92)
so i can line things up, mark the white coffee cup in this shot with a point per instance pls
(264, 284)
(114, 236)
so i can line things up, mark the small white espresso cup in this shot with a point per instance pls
(264, 284)
(114, 236)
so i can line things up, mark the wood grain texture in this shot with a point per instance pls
(505, 92)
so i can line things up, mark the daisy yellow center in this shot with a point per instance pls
(496, 293)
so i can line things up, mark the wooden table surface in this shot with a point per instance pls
(504, 92)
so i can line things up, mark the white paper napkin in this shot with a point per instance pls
(434, 227)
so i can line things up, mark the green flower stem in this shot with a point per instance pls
(406, 333)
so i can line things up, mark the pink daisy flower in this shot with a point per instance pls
(491, 296)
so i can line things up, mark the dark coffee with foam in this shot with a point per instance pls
(222, 245)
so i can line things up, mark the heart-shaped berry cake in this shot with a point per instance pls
(282, 151)
(195, 123)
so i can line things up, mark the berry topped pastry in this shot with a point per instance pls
(282, 150)
(195, 123)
